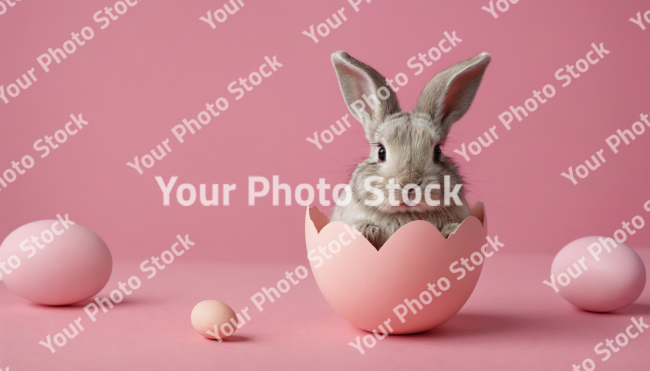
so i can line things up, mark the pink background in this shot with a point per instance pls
(158, 64)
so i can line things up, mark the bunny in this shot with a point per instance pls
(404, 149)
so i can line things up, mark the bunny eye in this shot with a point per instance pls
(437, 152)
(381, 153)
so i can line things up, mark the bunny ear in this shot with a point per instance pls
(449, 94)
(364, 90)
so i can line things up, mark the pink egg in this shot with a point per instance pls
(54, 263)
(368, 287)
(211, 317)
(593, 275)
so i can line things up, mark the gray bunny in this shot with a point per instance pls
(404, 147)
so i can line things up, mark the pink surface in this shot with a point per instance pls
(396, 284)
(511, 322)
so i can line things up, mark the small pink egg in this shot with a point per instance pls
(593, 275)
(211, 317)
(54, 263)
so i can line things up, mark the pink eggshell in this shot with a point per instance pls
(73, 267)
(363, 285)
(210, 313)
(612, 283)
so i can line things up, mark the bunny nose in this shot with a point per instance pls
(411, 194)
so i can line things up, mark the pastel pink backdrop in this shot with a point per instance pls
(159, 64)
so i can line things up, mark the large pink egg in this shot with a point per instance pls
(71, 264)
(593, 275)
(368, 288)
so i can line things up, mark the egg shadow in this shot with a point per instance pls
(233, 339)
(634, 308)
(125, 302)
(468, 325)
